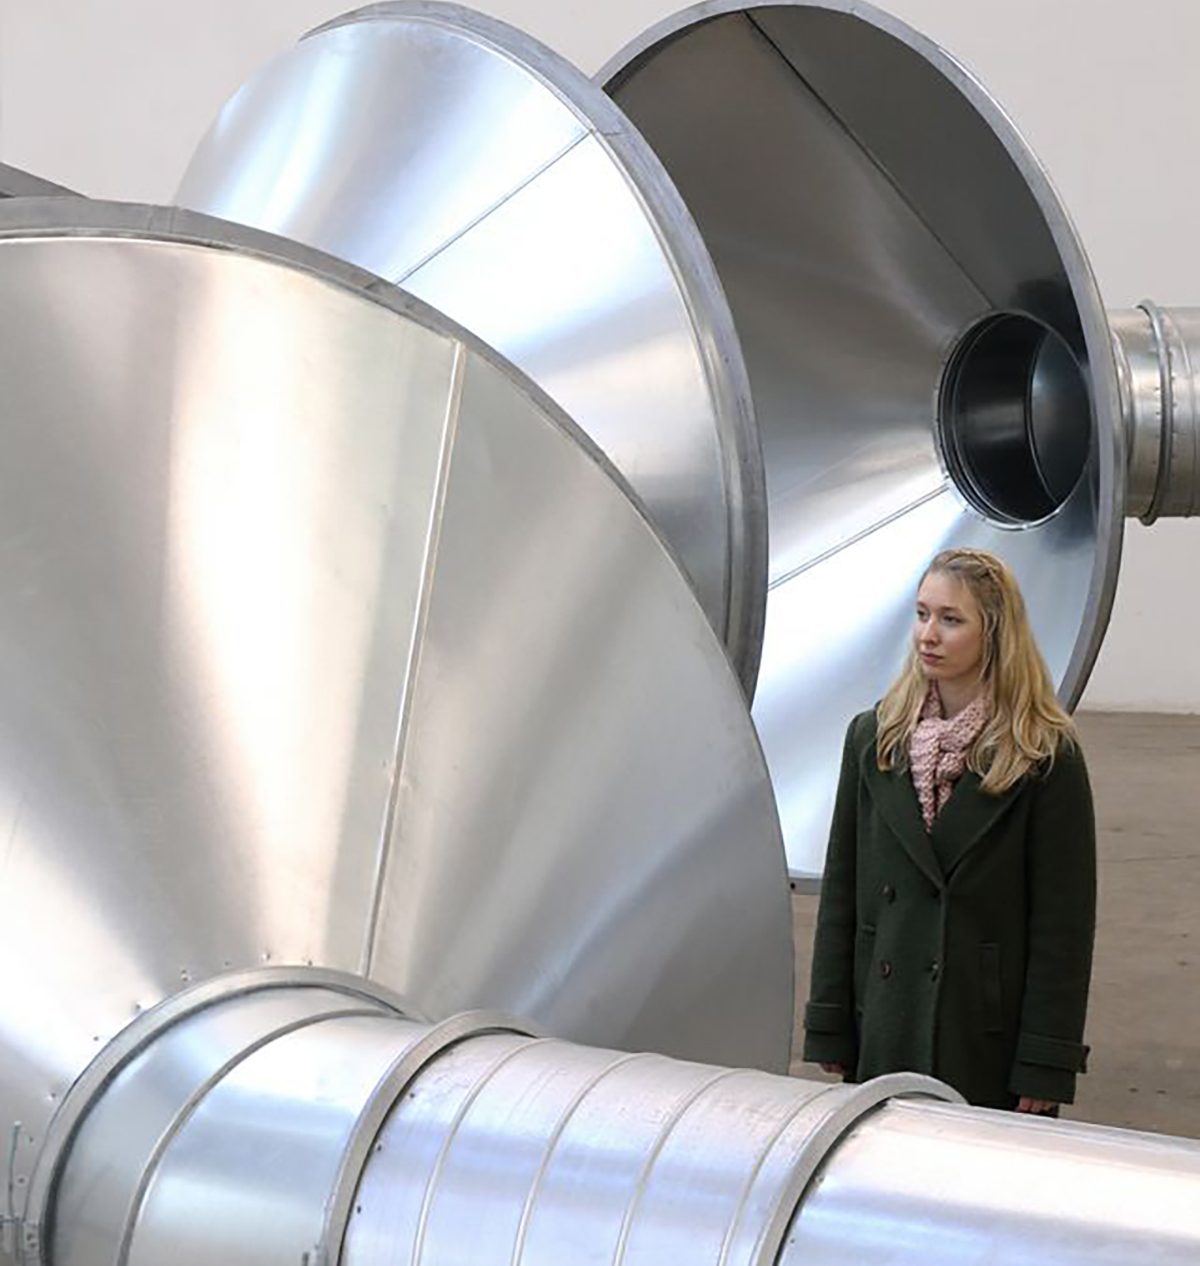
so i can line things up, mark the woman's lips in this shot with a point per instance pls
(930, 659)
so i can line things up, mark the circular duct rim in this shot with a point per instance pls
(1108, 457)
(145, 1029)
(1013, 423)
(699, 285)
(179, 1008)
(35, 220)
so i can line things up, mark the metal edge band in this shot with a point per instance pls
(1110, 454)
(480, 1085)
(189, 1106)
(56, 218)
(138, 1035)
(555, 1137)
(696, 280)
(408, 1066)
(17, 183)
(1166, 413)
(805, 1106)
(676, 1115)
(823, 1137)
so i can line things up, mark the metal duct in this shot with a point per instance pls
(1158, 368)
(930, 360)
(929, 357)
(15, 183)
(461, 159)
(326, 638)
(272, 1119)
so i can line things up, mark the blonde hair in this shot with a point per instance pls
(1027, 726)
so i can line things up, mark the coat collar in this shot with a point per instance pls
(959, 827)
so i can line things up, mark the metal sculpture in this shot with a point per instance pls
(346, 684)
(326, 639)
(928, 354)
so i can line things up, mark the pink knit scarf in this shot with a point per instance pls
(937, 754)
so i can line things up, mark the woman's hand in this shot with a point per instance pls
(1037, 1107)
(838, 1069)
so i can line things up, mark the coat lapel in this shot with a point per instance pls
(896, 799)
(965, 819)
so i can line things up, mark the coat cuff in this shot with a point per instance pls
(829, 1036)
(1046, 1067)
(827, 1017)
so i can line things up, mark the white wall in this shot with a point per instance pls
(110, 96)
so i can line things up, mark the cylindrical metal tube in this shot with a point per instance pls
(1158, 358)
(292, 1120)
(939, 1184)
(539, 1153)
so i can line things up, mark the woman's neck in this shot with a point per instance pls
(957, 695)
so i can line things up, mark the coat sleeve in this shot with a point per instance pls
(830, 1033)
(1061, 870)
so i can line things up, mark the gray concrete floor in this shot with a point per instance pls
(1144, 1017)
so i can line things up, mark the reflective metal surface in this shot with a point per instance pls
(458, 157)
(929, 358)
(132, 1119)
(509, 1151)
(15, 183)
(949, 1186)
(326, 639)
(303, 1121)
(1158, 366)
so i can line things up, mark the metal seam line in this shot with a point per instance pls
(480, 1085)
(403, 1071)
(552, 1142)
(862, 535)
(875, 162)
(412, 669)
(676, 1115)
(483, 215)
(1166, 414)
(740, 1210)
(189, 1106)
(1189, 388)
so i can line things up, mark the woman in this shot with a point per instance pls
(957, 912)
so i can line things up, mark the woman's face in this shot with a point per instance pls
(948, 633)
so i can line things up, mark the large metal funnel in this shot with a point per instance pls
(325, 638)
(928, 354)
(930, 360)
(461, 159)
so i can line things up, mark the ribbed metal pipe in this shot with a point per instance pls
(1158, 358)
(294, 1117)
(941, 1185)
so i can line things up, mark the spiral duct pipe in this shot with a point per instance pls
(1158, 369)
(289, 1116)
(324, 641)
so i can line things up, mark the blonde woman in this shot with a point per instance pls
(957, 912)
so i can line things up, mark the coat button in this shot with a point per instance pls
(888, 892)
(935, 969)
(885, 968)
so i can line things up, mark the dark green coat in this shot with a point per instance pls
(964, 952)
